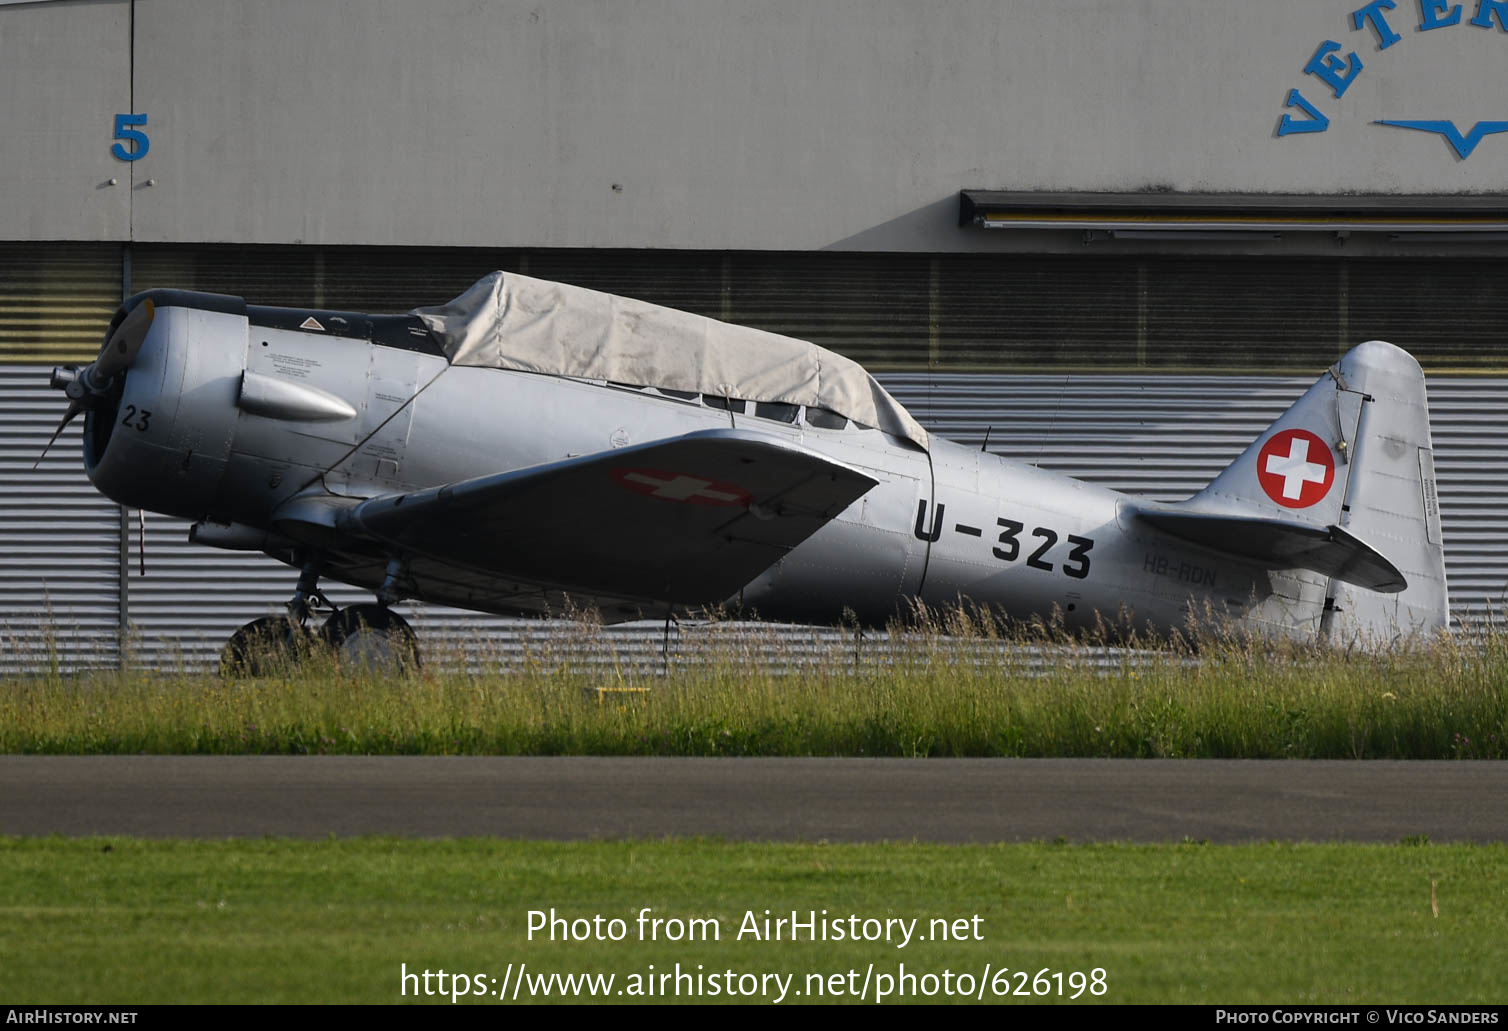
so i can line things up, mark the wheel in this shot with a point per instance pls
(264, 646)
(372, 636)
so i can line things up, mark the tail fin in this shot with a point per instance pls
(1350, 468)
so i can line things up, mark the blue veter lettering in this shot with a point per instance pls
(1316, 122)
(1429, 14)
(1486, 9)
(1326, 67)
(1372, 13)
(1337, 72)
(1463, 145)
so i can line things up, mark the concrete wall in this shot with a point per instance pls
(65, 72)
(749, 124)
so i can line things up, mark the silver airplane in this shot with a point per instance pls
(533, 446)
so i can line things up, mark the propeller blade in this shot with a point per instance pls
(123, 344)
(74, 408)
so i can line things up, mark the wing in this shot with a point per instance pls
(688, 520)
(1280, 543)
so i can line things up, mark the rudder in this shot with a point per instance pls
(1392, 500)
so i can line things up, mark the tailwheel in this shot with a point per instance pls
(373, 636)
(265, 646)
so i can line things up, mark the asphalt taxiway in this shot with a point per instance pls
(944, 800)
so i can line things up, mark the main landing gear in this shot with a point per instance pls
(372, 636)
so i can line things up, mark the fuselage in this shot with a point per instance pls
(230, 414)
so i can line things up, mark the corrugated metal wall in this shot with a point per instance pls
(56, 299)
(1164, 436)
(960, 312)
(59, 537)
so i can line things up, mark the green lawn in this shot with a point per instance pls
(921, 695)
(112, 920)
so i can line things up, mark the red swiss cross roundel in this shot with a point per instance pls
(694, 490)
(1295, 468)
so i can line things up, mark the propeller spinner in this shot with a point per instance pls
(88, 386)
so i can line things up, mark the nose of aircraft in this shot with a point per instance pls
(89, 386)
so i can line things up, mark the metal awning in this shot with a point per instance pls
(1194, 214)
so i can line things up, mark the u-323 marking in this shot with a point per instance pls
(1009, 545)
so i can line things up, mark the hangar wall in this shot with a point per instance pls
(65, 72)
(1176, 312)
(712, 124)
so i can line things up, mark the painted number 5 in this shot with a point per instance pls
(138, 139)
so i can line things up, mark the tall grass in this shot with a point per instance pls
(948, 684)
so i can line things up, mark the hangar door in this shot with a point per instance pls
(1215, 314)
(901, 312)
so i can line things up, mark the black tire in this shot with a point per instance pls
(372, 636)
(265, 646)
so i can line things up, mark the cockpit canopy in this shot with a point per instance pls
(508, 321)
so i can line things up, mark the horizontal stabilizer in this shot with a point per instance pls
(1284, 544)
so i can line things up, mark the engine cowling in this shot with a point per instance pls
(160, 437)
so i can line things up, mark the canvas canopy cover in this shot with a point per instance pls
(508, 321)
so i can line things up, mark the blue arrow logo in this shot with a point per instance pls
(1463, 145)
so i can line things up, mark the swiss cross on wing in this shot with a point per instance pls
(693, 490)
(1296, 468)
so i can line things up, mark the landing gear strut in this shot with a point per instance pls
(373, 636)
(307, 595)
